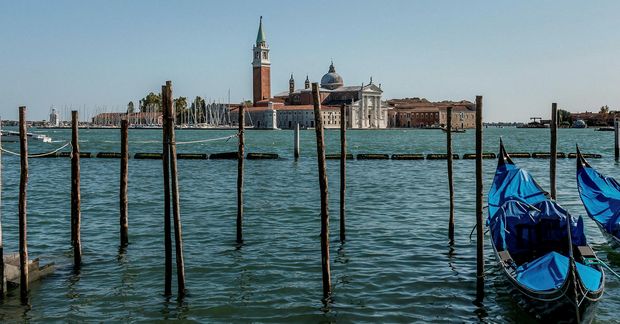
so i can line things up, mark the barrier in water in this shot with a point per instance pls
(224, 156)
(472, 156)
(147, 156)
(262, 156)
(108, 155)
(192, 156)
(407, 156)
(441, 156)
(373, 157)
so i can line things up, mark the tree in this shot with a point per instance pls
(564, 117)
(151, 101)
(604, 110)
(180, 105)
(130, 108)
(198, 108)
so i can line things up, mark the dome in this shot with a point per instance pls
(331, 80)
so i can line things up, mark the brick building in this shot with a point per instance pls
(421, 113)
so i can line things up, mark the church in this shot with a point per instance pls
(363, 105)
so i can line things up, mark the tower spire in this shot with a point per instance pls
(260, 38)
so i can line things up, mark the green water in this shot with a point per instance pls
(396, 265)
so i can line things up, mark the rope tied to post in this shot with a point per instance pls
(37, 155)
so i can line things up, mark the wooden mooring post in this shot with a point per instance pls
(2, 276)
(240, 174)
(296, 142)
(124, 224)
(450, 175)
(23, 186)
(343, 170)
(320, 149)
(616, 139)
(479, 216)
(176, 208)
(553, 149)
(167, 216)
(75, 192)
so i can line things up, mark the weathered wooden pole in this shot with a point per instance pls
(554, 149)
(124, 226)
(240, 159)
(176, 208)
(343, 170)
(450, 175)
(75, 192)
(320, 149)
(2, 277)
(23, 183)
(616, 139)
(479, 217)
(296, 142)
(167, 216)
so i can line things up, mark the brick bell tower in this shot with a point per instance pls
(261, 66)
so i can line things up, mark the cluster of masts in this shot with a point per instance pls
(198, 115)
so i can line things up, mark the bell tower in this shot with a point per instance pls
(261, 67)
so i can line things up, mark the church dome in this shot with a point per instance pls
(331, 80)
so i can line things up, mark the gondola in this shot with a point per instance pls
(552, 271)
(601, 198)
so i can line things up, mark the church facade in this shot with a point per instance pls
(364, 108)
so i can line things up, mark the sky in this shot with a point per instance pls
(519, 55)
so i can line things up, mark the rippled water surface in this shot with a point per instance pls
(395, 266)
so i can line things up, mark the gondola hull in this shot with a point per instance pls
(542, 251)
(556, 306)
(612, 241)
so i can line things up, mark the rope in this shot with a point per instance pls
(37, 155)
(227, 138)
(596, 260)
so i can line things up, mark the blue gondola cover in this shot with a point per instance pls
(549, 272)
(601, 198)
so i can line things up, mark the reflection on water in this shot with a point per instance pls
(394, 267)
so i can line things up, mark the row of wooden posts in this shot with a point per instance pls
(171, 192)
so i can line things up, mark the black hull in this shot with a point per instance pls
(555, 306)
(612, 241)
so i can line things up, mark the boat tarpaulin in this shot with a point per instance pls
(601, 198)
(549, 272)
(519, 227)
(513, 183)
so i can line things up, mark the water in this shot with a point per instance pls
(396, 265)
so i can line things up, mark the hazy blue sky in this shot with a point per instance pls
(521, 55)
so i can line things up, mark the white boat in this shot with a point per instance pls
(11, 136)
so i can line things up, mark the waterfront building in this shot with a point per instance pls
(421, 113)
(363, 104)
